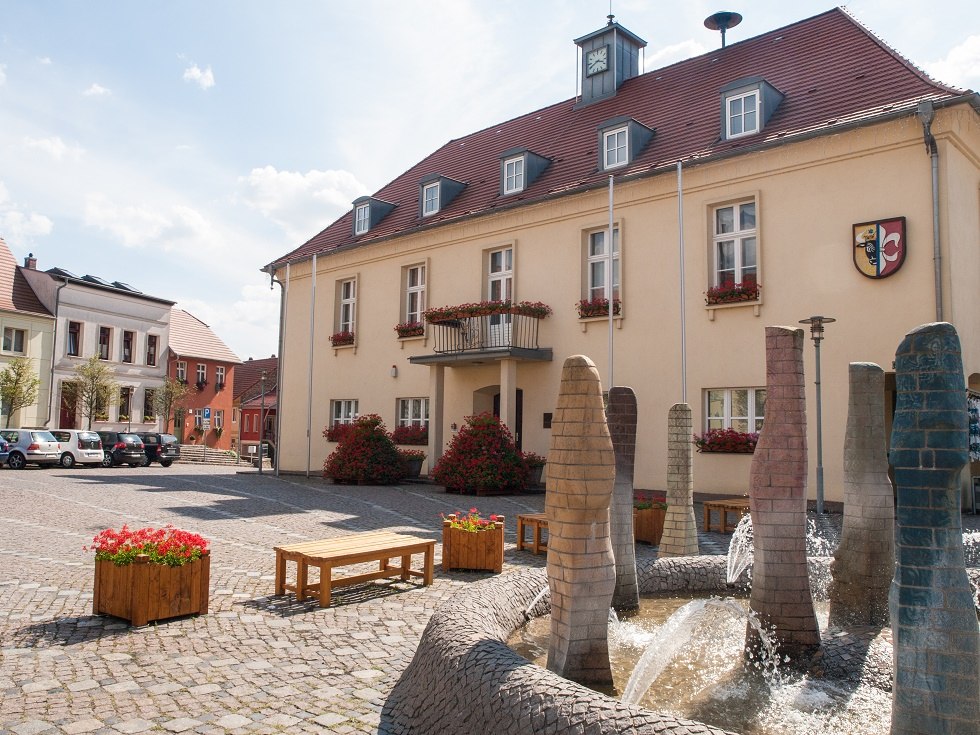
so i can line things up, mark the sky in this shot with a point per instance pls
(181, 145)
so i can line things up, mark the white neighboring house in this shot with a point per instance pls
(26, 330)
(126, 328)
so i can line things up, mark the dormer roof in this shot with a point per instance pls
(832, 72)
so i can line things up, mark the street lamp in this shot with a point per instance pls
(816, 334)
(261, 419)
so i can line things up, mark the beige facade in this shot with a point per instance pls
(38, 347)
(807, 194)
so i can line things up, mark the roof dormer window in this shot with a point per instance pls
(369, 211)
(746, 106)
(362, 219)
(614, 148)
(514, 175)
(436, 193)
(430, 199)
(621, 140)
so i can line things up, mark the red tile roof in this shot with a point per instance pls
(190, 337)
(15, 293)
(248, 375)
(833, 72)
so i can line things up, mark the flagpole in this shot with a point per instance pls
(609, 282)
(680, 245)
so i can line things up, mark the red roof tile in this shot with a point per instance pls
(15, 293)
(248, 375)
(833, 72)
(190, 337)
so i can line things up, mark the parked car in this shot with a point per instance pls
(122, 448)
(162, 448)
(4, 451)
(31, 446)
(79, 447)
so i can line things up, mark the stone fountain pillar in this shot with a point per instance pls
(680, 526)
(581, 575)
(865, 559)
(781, 596)
(934, 622)
(621, 417)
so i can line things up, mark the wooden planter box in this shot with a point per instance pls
(475, 550)
(648, 525)
(142, 592)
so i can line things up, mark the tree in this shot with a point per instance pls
(93, 388)
(18, 386)
(169, 398)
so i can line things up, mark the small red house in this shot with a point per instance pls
(256, 390)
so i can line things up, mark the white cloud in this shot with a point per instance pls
(673, 53)
(250, 324)
(16, 226)
(44, 60)
(97, 90)
(301, 204)
(55, 147)
(961, 66)
(133, 225)
(3, 76)
(204, 79)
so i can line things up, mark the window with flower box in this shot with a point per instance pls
(202, 373)
(343, 411)
(413, 301)
(219, 376)
(125, 403)
(734, 253)
(149, 412)
(198, 418)
(181, 371)
(598, 264)
(346, 306)
(413, 412)
(218, 418)
(741, 409)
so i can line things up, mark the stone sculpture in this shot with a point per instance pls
(781, 596)
(680, 526)
(934, 622)
(581, 575)
(621, 418)
(865, 558)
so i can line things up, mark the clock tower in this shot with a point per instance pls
(609, 57)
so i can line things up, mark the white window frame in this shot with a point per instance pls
(199, 417)
(182, 371)
(731, 116)
(343, 411)
(615, 147)
(10, 335)
(514, 175)
(219, 375)
(413, 412)
(739, 238)
(725, 420)
(598, 290)
(218, 418)
(347, 313)
(152, 349)
(362, 218)
(415, 292)
(430, 199)
(202, 372)
(234, 414)
(500, 280)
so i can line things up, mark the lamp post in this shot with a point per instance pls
(816, 334)
(261, 419)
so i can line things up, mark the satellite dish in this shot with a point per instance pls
(722, 21)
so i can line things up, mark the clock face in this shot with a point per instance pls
(597, 60)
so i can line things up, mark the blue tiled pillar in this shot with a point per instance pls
(934, 622)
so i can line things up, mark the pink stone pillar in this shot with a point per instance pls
(581, 574)
(621, 419)
(781, 594)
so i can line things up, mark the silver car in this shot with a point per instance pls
(79, 447)
(31, 446)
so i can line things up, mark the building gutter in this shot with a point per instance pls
(926, 113)
(282, 341)
(54, 349)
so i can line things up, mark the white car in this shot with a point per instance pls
(31, 446)
(79, 447)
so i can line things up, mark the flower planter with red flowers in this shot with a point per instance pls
(473, 543)
(150, 574)
(411, 435)
(342, 339)
(410, 329)
(449, 314)
(726, 441)
(648, 522)
(591, 308)
(732, 293)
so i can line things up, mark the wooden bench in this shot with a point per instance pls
(356, 548)
(724, 507)
(536, 521)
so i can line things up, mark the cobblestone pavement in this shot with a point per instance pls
(256, 663)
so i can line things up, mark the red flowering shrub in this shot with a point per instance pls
(482, 456)
(366, 453)
(167, 545)
(415, 435)
(726, 440)
(337, 432)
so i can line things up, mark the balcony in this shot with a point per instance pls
(478, 333)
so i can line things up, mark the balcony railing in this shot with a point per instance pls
(481, 333)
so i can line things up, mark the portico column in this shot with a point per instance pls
(437, 390)
(508, 395)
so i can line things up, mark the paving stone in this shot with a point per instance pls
(232, 722)
(133, 726)
(181, 724)
(74, 728)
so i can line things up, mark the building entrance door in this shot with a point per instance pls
(518, 415)
(66, 415)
